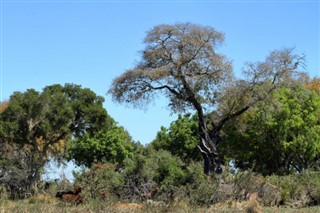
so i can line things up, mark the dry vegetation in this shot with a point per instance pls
(246, 193)
(49, 204)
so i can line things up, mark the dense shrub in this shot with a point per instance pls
(298, 190)
(101, 181)
(155, 172)
(158, 176)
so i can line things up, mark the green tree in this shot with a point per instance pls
(113, 145)
(180, 139)
(182, 63)
(278, 136)
(39, 126)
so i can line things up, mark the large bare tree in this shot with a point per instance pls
(182, 63)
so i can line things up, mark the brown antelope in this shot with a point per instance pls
(71, 196)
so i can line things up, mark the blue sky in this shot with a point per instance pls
(92, 42)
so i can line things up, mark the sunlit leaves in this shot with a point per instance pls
(180, 139)
(42, 124)
(159, 167)
(281, 135)
(112, 145)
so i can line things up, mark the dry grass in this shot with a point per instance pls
(48, 204)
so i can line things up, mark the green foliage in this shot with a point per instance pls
(278, 136)
(199, 189)
(204, 194)
(311, 181)
(87, 112)
(146, 174)
(180, 139)
(298, 190)
(167, 169)
(101, 181)
(48, 118)
(38, 125)
(112, 145)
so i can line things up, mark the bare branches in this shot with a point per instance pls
(262, 78)
(179, 61)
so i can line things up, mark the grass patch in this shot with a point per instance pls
(30, 206)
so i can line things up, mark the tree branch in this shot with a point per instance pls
(229, 117)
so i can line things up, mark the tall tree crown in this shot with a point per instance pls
(181, 61)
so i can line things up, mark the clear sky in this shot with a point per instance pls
(92, 42)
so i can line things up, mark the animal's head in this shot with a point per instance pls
(77, 190)
(59, 194)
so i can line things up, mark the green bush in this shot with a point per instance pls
(311, 183)
(298, 190)
(101, 180)
(156, 172)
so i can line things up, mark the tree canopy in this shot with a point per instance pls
(278, 136)
(37, 126)
(113, 145)
(181, 62)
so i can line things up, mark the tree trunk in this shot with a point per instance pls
(208, 148)
(207, 145)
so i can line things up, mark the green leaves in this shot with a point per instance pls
(180, 139)
(281, 135)
(112, 145)
(157, 167)
(81, 106)
(40, 125)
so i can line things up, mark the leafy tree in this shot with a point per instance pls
(182, 63)
(42, 125)
(113, 145)
(278, 137)
(181, 138)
